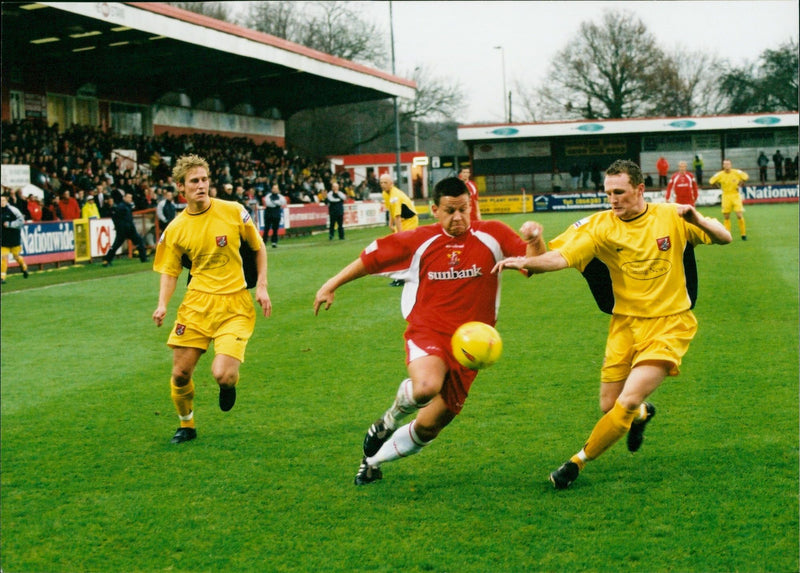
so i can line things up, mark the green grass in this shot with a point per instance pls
(90, 482)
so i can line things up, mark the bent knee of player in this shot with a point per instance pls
(181, 375)
(426, 389)
(225, 372)
(609, 392)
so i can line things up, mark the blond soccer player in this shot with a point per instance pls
(639, 260)
(217, 305)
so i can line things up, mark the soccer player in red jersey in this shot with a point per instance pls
(448, 281)
(683, 185)
(475, 208)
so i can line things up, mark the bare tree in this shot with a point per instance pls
(606, 71)
(333, 27)
(218, 10)
(281, 18)
(685, 84)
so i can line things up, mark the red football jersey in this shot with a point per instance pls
(448, 280)
(473, 201)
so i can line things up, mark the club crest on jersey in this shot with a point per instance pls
(664, 244)
(180, 329)
(454, 258)
(222, 241)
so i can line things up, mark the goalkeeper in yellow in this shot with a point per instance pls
(217, 306)
(639, 261)
(729, 180)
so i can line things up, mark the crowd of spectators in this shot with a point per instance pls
(77, 165)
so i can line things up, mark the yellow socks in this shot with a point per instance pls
(183, 397)
(727, 223)
(606, 432)
(742, 227)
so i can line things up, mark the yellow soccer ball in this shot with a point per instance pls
(476, 345)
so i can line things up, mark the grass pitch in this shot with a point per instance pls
(91, 484)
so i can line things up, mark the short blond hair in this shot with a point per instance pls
(185, 164)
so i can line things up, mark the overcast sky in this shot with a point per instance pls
(456, 39)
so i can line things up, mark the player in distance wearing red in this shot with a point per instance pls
(683, 185)
(448, 281)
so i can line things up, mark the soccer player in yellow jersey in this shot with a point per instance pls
(402, 216)
(639, 261)
(729, 180)
(217, 305)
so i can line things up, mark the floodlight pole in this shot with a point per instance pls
(506, 116)
(396, 113)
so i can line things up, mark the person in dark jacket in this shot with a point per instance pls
(335, 200)
(274, 203)
(122, 215)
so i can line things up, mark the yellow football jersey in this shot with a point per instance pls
(211, 241)
(729, 182)
(649, 260)
(398, 204)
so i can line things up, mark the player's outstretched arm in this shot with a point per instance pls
(262, 296)
(351, 272)
(544, 263)
(166, 288)
(713, 228)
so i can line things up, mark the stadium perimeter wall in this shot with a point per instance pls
(60, 242)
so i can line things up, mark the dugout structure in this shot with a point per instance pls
(508, 157)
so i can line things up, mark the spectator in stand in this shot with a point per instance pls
(762, 161)
(556, 180)
(100, 194)
(335, 199)
(239, 196)
(662, 166)
(13, 221)
(89, 209)
(68, 206)
(697, 165)
(474, 205)
(788, 168)
(227, 192)
(147, 199)
(362, 191)
(648, 180)
(683, 185)
(575, 173)
(597, 177)
(107, 208)
(252, 199)
(125, 229)
(777, 160)
(274, 203)
(166, 211)
(34, 208)
(18, 201)
(51, 211)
